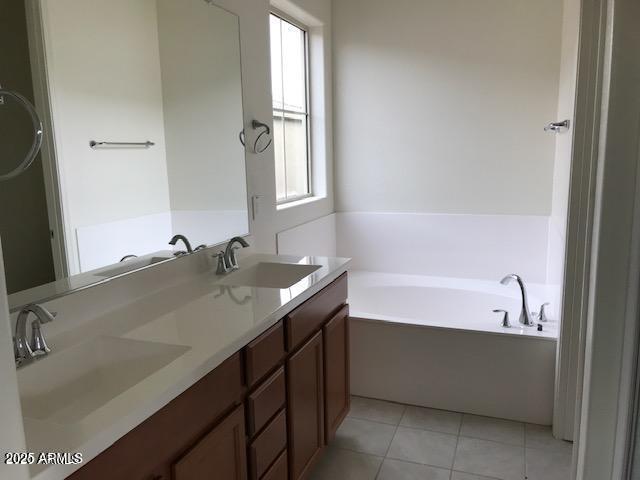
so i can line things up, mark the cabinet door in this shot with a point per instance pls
(305, 398)
(336, 371)
(220, 455)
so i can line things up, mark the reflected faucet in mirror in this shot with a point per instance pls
(228, 289)
(176, 239)
(25, 350)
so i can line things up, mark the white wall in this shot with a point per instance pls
(318, 237)
(463, 246)
(564, 141)
(440, 105)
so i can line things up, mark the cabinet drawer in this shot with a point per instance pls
(268, 445)
(311, 315)
(264, 353)
(279, 470)
(265, 402)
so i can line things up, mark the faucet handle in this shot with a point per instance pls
(38, 343)
(542, 316)
(505, 318)
(233, 261)
(222, 264)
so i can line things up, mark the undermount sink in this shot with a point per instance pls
(269, 275)
(130, 265)
(67, 386)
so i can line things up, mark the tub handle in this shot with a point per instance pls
(542, 316)
(505, 318)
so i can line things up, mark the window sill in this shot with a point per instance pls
(298, 203)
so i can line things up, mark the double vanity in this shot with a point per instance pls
(164, 361)
(243, 375)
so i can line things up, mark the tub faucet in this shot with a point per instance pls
(175, 240)
(525, 314)
(25, 351)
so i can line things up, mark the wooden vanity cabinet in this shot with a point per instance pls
(148, 451)
(220, 455)
(266, 413)
(305, 404)
(336, 371)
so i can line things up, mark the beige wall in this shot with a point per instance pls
(24, 225)
(440, 105)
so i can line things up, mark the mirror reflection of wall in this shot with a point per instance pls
(24, 225)
(161, 71)
(146, 70)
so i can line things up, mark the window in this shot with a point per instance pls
(289, 76)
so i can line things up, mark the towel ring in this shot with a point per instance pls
(263, 136)
(37, 134)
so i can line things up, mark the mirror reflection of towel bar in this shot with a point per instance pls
(147, 144)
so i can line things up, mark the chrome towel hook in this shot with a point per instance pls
(263, 140)
(557, 127)
(38, 133)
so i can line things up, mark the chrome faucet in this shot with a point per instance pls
(184, 239)
(525, 314)
(227, 260)
(25, 350)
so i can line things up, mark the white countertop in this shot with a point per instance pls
(211, 321)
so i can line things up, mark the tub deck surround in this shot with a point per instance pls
(202, 322)
(446, 302)
(435, 342)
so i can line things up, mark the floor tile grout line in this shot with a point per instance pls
(484, 477)
(455, 450)
(403, 460)
(493, 441)
(371, 420)
(524, 455)
(359, 452)
(404, 409)
(398, 424)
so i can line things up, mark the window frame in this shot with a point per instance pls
(307, 113)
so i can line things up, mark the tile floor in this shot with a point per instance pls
(388, 441)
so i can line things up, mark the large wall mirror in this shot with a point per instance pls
(142, 106)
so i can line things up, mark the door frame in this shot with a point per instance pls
(51, 172)
(580, 217)
(606, 408)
